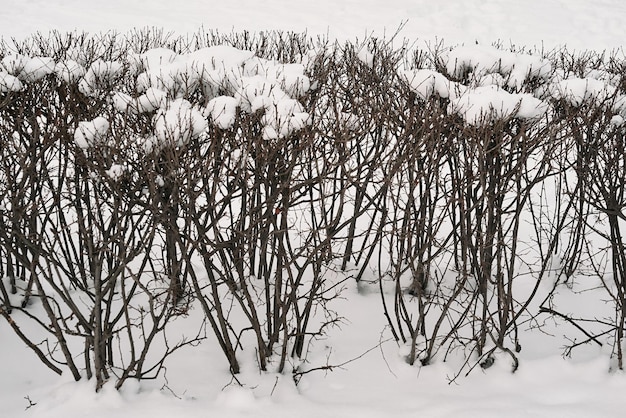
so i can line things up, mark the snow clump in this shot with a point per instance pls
(179, 75)
(488, 103)
(577, 91)
(90, 133)
(150, 101)
(115, 172)
(37, 68)
(99, 76)
(154, 58)
(425, 83)
(489, 75)
(9, 83)
(478, 61)
(222, 110)
(23, 68)
(230, 79)
(14, 63)
(69, 71)
(289, 77)
(179, 122)
(282, 118)
(617, 120)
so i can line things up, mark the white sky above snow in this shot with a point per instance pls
(580, 24)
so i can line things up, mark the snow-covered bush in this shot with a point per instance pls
(129, 197)
(249, 176)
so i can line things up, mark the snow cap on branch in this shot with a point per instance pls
(92, 132)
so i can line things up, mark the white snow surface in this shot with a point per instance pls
(426, 82)
(487, 103)
(9, 83)
(577, 91)
(581, 24)
(374, 380)
(69, 71)
(222, 110)
(91, 132)
(178, 122)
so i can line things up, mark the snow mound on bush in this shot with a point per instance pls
(116, 172)
(14, 63)
(90, 133)
(485, 104)
(425, 83)
(9, 83)
(283, 117)
(100, 75)
(478, 61)
(223, 111)
(37, 68)
(229, 78)
(25, 68)
(577, 91)
(69, 71)
(164, 81)
(179, 122)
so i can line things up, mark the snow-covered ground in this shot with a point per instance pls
(579, 24)
(374, 380)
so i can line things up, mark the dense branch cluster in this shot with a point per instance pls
(250, 176)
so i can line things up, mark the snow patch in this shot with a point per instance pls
(223, 111)
(488, 103)
(100, 75)
(478, 60)
(425, 83)
(90, 133)
(116, 171)
(178, 123)
(69, 71)
(37, 68)
(10, 83)
(577, 91)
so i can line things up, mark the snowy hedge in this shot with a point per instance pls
(251, 175)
